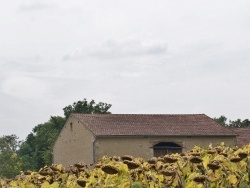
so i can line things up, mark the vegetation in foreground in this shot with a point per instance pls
(219, 166)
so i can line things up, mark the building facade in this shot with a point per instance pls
(88, 137)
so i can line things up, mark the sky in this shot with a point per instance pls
(141, 56)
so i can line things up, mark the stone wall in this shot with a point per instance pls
(74, 144)
(143, 146)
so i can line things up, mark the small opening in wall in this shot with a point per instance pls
(71, 126)
(164, 148)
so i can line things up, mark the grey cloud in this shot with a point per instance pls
(28, 64)
(34, 6)
(119, 49)
(202, 68)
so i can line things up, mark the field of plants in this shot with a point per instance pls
(215, 167)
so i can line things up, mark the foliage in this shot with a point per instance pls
(9, 161)
(86, 107)
(9, 142)
(237, 123)
(221, 120)
(36, 151)
(219, 166)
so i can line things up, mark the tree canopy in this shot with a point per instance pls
(36, 151)
(9, 142)
(237, 123)
(9, 161)
(86, 107)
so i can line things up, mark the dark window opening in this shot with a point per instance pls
(164, 148)
(71, 126)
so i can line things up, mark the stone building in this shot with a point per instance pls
(88, 137)
(243, 135)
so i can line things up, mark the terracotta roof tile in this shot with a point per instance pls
(243, 135)
(152, 124)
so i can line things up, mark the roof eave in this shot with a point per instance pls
(234, 135)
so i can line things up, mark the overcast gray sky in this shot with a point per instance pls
(141, 56)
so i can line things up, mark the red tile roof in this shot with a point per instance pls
(152, 125)
(243, 135)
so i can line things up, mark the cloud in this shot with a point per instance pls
(35, 6)
(119, 49)
(24, 87)
(140, 56)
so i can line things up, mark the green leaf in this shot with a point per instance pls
(138, 185)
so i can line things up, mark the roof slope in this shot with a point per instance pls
(242, 135)
(150, 125)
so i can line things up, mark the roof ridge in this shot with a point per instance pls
(137, 114)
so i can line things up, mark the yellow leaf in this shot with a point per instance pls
(125, 184)
(54, 185)
(161, 178)
(232, 179)
(123, 168)
(13, 184)
(59, 167)
(199, 186)
(29, 185)
(190, 184)
(206, 160)
(186, 169)
(71, 185)
(45, 185)
(220, 158)
(151, 185)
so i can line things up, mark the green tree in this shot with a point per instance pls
(237, 123)
(245, 123)
(9, 161)
(221, 120)
(9, 142)
(36, 151)
(86, 107)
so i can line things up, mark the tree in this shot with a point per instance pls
(36, 151)
(221, 120)
(9, 142)
(38, 145)
(237, 123)
(86, 107)
(9, 161)
(245, 123)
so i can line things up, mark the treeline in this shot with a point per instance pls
(229, 123)
(36, 150)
